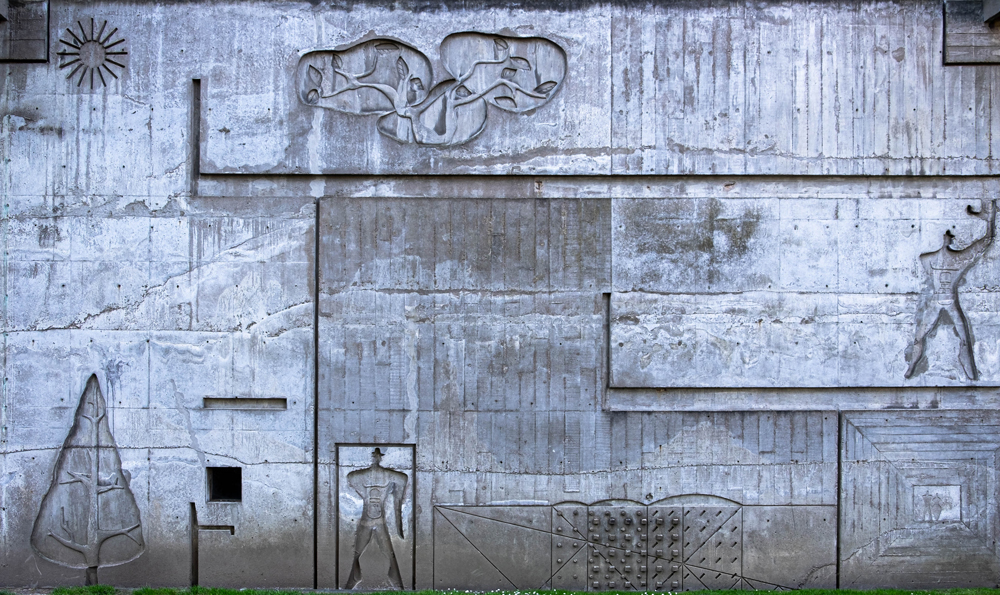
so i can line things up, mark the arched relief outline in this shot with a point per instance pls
(389, 78)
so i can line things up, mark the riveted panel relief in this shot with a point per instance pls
(695, 544)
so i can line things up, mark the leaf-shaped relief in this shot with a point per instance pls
(469, 58)
(402, 70)
(367, 77)
(415, 92)
(89, 517)
(505, 101)
(389, 78)
(396, 127)
(500, 49)
(315, 76)
(546, 87)
(520, 63)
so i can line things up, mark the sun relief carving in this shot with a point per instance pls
(94, 50)
(394, 81)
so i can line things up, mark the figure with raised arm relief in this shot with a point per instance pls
(945, 268)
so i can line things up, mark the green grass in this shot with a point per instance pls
(92, 590)
(109, 590)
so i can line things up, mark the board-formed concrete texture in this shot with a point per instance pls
(482, 294)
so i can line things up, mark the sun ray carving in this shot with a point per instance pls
(90, 53)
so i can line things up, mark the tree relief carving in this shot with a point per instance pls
(389, 79)
(89, 517)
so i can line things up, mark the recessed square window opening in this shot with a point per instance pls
(225, 484)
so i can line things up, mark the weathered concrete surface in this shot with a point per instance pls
(167, 310)
(24, 35)
(685, 88)
(722, 292)
(172, 224)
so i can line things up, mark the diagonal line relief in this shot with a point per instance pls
(566, 563)
(485, 557)
(712, 534)
(486, 518)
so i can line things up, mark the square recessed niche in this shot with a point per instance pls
(225, 484)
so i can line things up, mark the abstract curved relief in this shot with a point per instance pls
(389, 79)
(89, 517)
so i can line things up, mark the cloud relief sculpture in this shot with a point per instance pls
(389, 79)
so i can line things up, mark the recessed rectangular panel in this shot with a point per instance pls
(789, 292)
(991, 11)
(918, 499)
(273, 403)
(453, 96)
(792, 547)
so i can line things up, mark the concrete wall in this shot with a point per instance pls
(481, 294)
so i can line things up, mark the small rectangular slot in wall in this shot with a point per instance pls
(244, 403)
(225, 484)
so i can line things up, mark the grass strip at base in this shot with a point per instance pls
(109, 590)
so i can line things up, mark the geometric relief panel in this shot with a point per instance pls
(683, 543)
(918, 496)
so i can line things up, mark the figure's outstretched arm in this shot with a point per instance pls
(990, 217)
